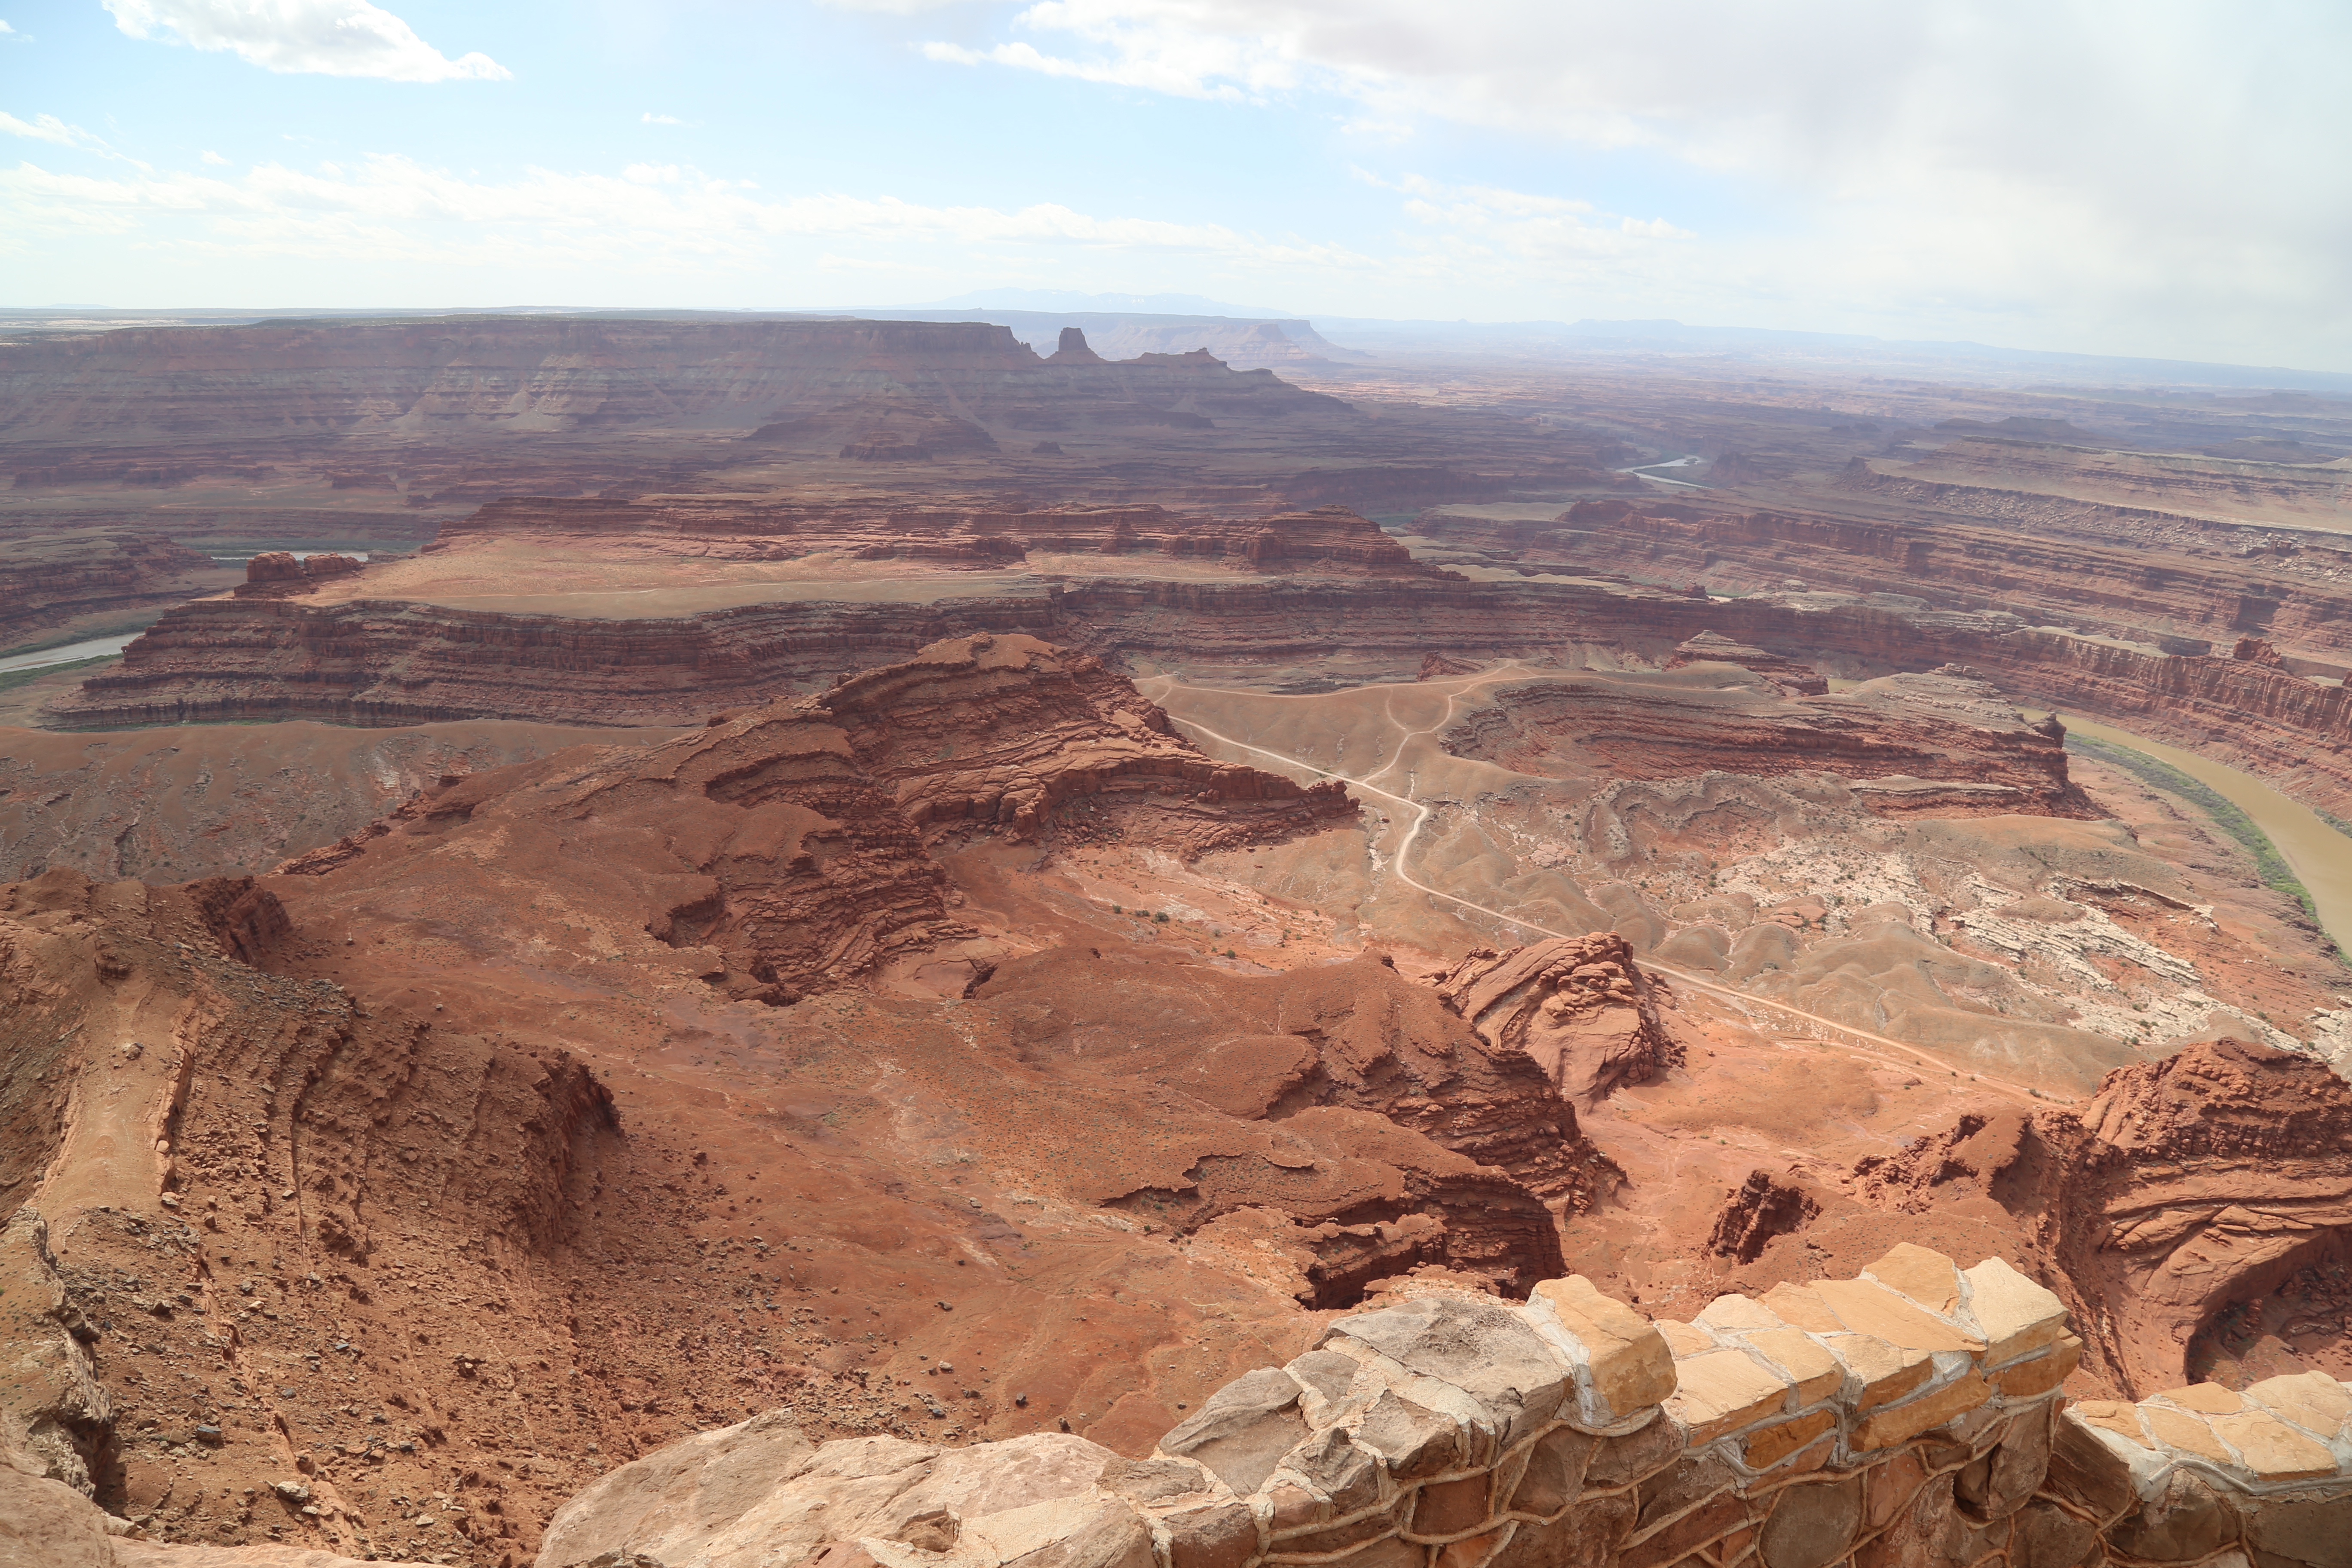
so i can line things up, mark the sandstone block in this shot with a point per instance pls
(855, 1488)
(991, 1477)
(1723, 1391)
(1242, 1430)
(1089, 1531)
(1617, 1461)
(1930, 1278)
(1472, 1550)
(1892, 1485)
(931, 1530)
(1893, 1424)
(1799, 1307)
(48, 1524)
(1878, 1372)
(1719, 1517)
(1810, 1457)
(2272, 1449)
(2182, 1523)
(1416, 1441)
(1675, 1491)
(1971, 1431)
(1443, 1509)
(1291, 1507)
(1998, 1482)
(1154, 1481)
(1770, 1444)
(1337, 1538)
(2314, 1531)
(2312, 1400)
(2046, 1536)
(2015, 1315)
(2183, 1433)
(1813, 1526)
(2039, 1373)
(1585, 1537)
(2205, 1398)
(1862, 1308)
(1487, 1350)
(1621, 1362)
(833, 1554)
(1394, 1552)
(1734, 1313)
(1917, 1535)
(1807, 1364)
(2086, 1471)
(1211, 1535)
(1325, 1379)
(1346, 1474)
(2116, 1415)
(1553, 1476)
(1686, 1340)
(675, 1500)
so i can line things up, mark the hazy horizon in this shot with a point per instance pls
(2149, 182)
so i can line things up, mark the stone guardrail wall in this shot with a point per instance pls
(1910, 1418)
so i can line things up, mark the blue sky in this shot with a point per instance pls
(2154, 178)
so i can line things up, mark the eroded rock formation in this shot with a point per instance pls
(783, 849)
(221, 1182)
(1579, 1006)
(1713, 647)
(1328, 540)
(51, 583)
(548, 373)
(2182, 1188)
(280, 574)
(1943, 742)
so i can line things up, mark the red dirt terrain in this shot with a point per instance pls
(339, 1174)
(775, 1066)
(861, 875)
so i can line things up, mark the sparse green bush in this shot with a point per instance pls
(2270, 866)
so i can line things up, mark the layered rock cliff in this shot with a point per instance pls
(52, 583)
(249, 1202)
(1942, 742)
(2200, 588)
(783, 849)
(528, 374)
(1329, 541)
(2183, 1189)
(384, 662)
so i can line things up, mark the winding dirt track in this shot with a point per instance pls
(1788, 1019)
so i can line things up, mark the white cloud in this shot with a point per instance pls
(214, 159)
(49, 128)
(45, 128)
(649, 217)
(650, 117)
(2074, 167)
(326, 37)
